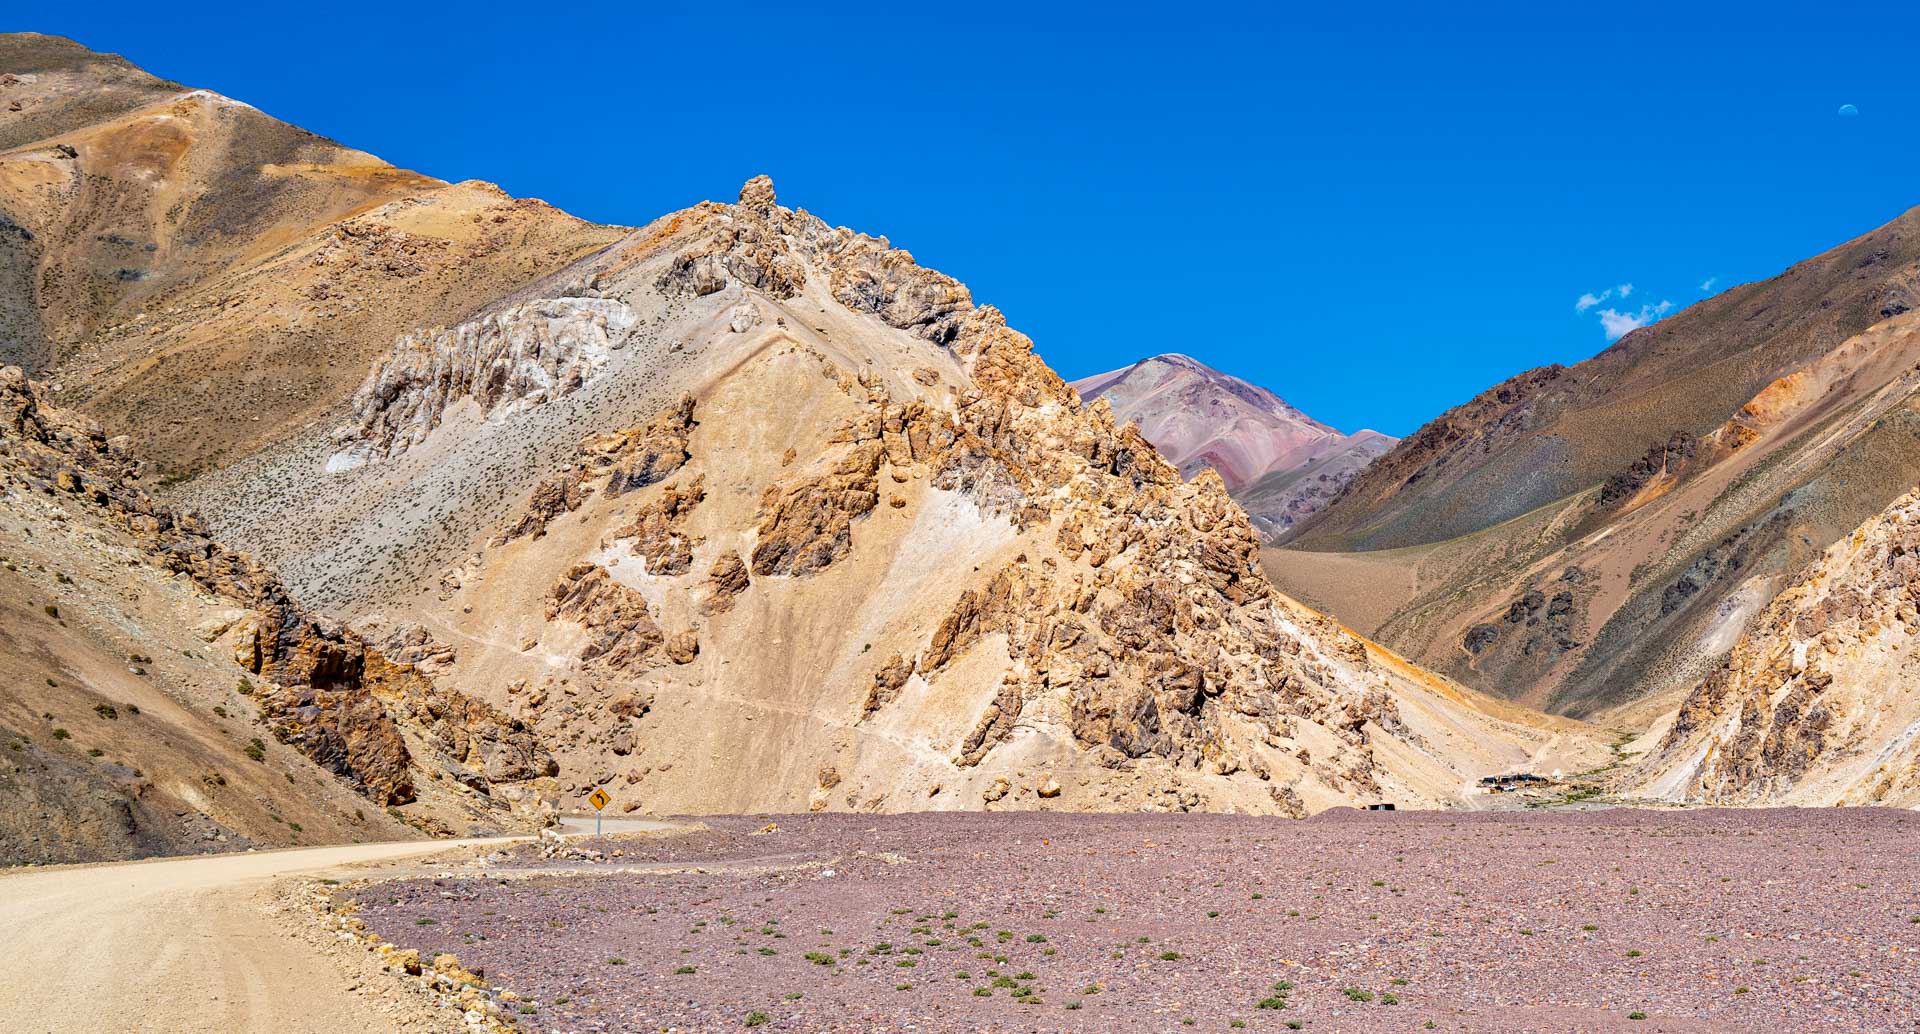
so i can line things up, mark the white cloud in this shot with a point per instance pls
(1618, 324)
(1589, 300)
(1707, 284)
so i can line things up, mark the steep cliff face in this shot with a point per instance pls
(1278, 463)
(864, 550)
(1814, 705)
(380, 728)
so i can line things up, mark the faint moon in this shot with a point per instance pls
(1848, 111)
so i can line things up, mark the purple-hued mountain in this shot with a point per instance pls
(1280, 463)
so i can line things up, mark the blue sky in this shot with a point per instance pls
(1377, 212)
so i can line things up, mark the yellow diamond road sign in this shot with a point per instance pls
(599, 800)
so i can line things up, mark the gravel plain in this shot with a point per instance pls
(1718, 920)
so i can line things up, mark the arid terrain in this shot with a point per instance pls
(356, 525)
(1592, 540)
(1482, 922)
(735, 510)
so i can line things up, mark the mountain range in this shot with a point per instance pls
(347, 503)
(467, 508)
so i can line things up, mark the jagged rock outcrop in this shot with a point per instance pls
(319, 686)
(521, 355)
(726, 580)
(656, 532)
(643, 456)
(748, 249)
(886, 684)
(1814, 704)
(630, 459)
(552, 497)
(621, 632)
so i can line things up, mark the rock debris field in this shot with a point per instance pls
(1716, 920)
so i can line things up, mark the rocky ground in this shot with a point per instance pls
(1633, 920)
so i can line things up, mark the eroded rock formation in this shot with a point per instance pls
(522, 355)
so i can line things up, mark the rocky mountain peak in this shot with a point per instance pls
(757, 194)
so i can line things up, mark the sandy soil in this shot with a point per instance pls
(1615, 920)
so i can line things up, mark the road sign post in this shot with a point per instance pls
(599, 800)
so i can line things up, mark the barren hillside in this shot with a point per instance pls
(1634, 581)
(159, 686)
(205, 277)
(1815, 706)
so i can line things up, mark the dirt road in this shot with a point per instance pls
(185, 945)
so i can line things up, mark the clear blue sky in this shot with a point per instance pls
(1374, 210)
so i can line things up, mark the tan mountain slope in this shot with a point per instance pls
(206, 277)
(1278, 463)
(1636, 588)
(1556, 431)
(1578, 588)
(750, 512)
(1815, 706)
(161, 694)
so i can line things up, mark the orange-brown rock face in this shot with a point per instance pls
(621, 632)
